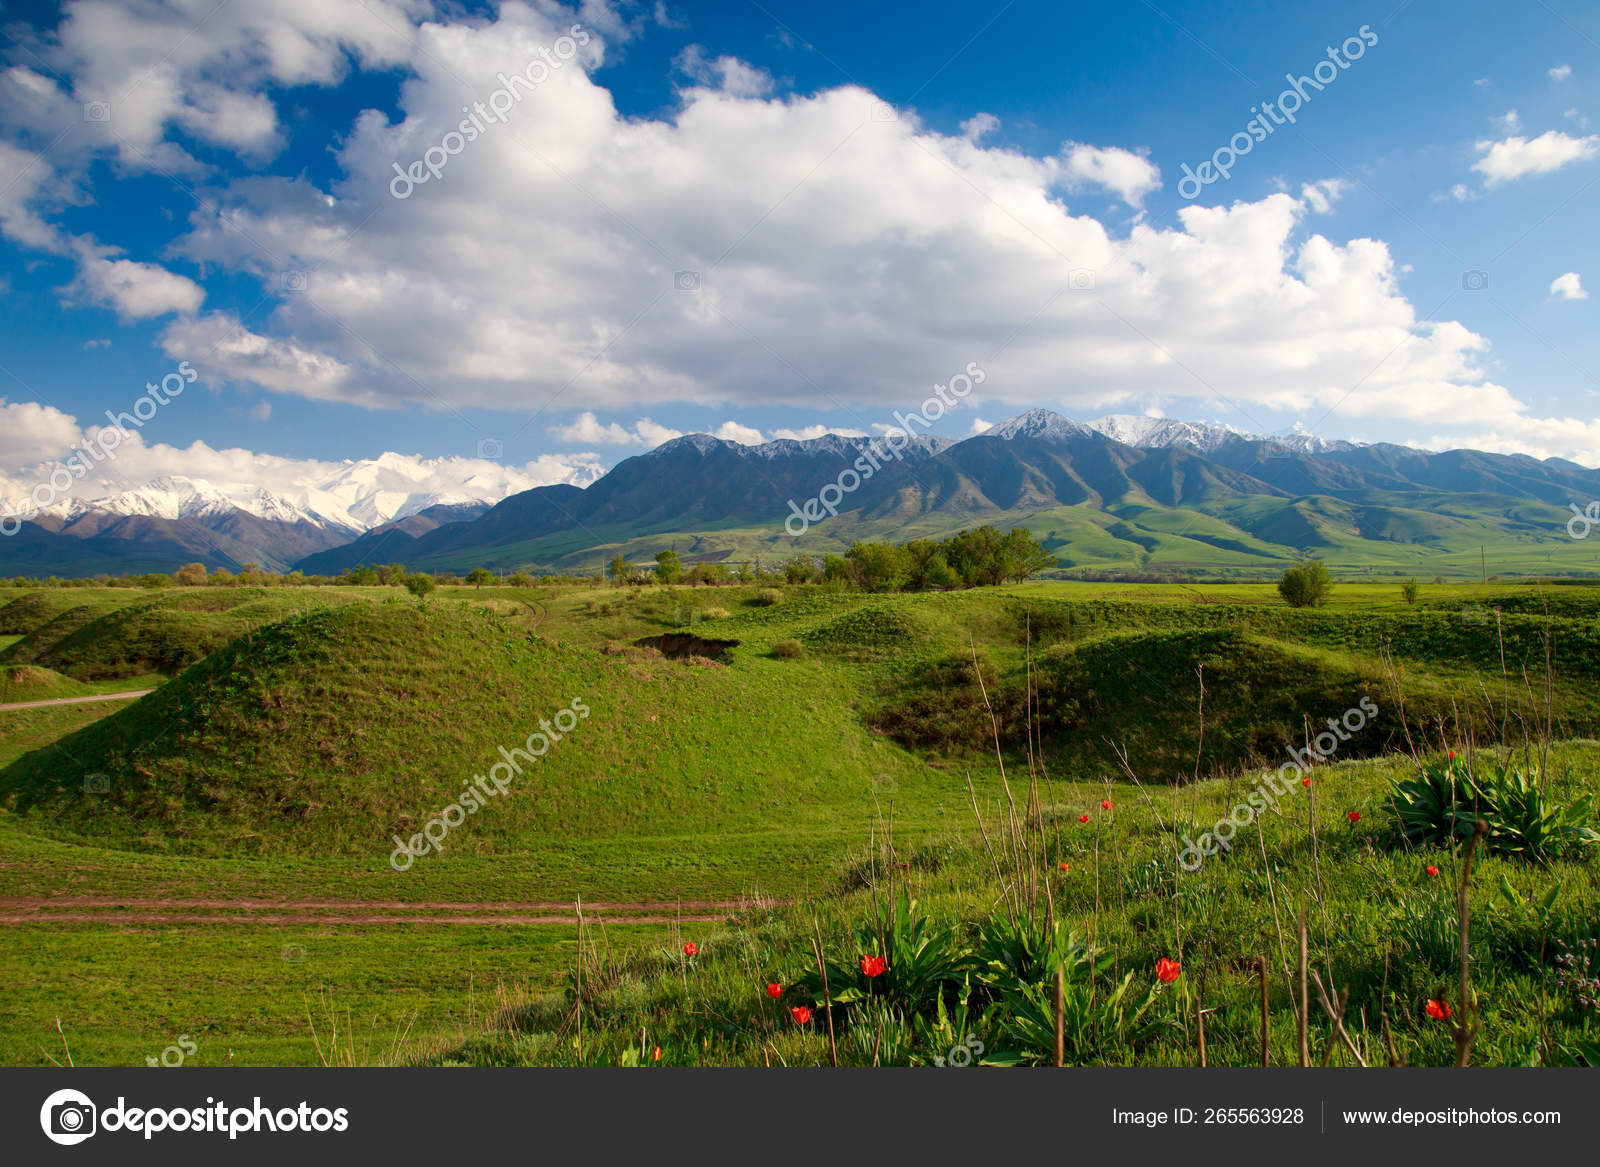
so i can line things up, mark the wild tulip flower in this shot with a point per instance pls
(658, 1053)
(1065, 866)
(1354, 816)
(1106, 805)
(1306, 782)
(1083, 818)
(1167, 970)
(801, 1014)
(691, 949)
(873, 966)
(1431, 869)
(774, 991)
(1438, 1010)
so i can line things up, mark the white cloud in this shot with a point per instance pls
(979, 125)
(1560, 72)
(135, 290)
(979, 426)
(732, 431)
(1509, 121)
(729, 74)
(1462, 193)
(1482, 82)
(1567, 287)
(1517, 157)
(1125, 174)
(1574, 116)
(812, 432)
(30, 432)
(1321, 196)
(586, 429)
(225, 350)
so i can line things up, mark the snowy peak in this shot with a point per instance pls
(1161, 432)
(1041, 425)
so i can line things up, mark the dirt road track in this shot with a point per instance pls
(128, 696)
(303, 913)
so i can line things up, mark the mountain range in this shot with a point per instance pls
(1118, 493)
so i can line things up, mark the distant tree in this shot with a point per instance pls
(360, 576)
(800, 569)
(295, 579)
(154, 580)
(668, 567)
(392, 575)
(1409, 590)
(618, 570)
(1306, 584)
(521, 579)
(708, 573)
(1021, 555)
(221, 578)
(420, 585)
(836, 569)
(251, 575)
(190, 575)
(878, 567)
(479, 576)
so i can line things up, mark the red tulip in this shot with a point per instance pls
(1083, 818)
(691, 949)
(1167, 970)
(801, 1014)
(1065, 866)
(1438, 1010)
(1452, 755)
(1106, 805)
(873, 966)
(658, 1053)
(1354, 816)
(774, 991)
(1306, 782)
(1431, 869)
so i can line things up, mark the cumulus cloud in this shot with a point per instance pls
(1517, 157)
(1321, 195)
(979, 125)
(728, 74)
(587, 430)
(226, 350)
(1567, 287)
(1125, 174)
(732, 431)
(134, 290)
(1560, 72)
(810, 432)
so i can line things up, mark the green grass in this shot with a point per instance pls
(278, 766)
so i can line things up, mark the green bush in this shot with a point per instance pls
(767, 597)
(788, 650)
(1306, 585)
(1445, 801)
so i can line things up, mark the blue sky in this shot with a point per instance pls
(871, 197)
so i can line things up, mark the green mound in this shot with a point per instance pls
(872, 630)
(1142, 691)
(52, 632)
(29, 613)
(331, 732)
(159, 636)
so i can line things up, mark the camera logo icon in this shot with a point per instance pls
(68, 1117)
(1475, 281)
(96, 784)
(97, 111)
(686, 281)
(882, 111)
(294, 281)
(492, 449)
(1081, 279)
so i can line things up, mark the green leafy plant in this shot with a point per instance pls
(919, 961)
(1444, 801)
(1096, 1021)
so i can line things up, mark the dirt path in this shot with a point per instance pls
(144, 912)
(128, 696)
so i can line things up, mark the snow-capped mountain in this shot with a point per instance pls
(1149, 433)
(1041, 424)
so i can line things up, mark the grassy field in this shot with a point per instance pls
(797, 784)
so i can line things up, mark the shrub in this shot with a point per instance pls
(714, 613)
(1408, 591)
(1306, 585)
(767, 597)
(1445, 801)
(420, 585)
(788, 650)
